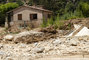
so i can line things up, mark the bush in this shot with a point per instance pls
(4, 8)
(44, 23)
(52, 22)
(84, 7)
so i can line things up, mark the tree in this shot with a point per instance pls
(4, 8)
(19, 2)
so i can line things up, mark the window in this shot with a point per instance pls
(19, 16)
(33, 16)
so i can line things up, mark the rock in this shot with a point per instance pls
(39, 50)
(47, 49)
(2, 53)
(8, 37)
(35, 44)
(22, 45)
(57, 42)
(9, 58)
(73, 42)
(27, 36)
(1, 46)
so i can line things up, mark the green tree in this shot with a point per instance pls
(5, 8)
(19, 2)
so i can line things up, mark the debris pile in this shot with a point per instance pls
(59, 46)
(80, 30)
(69, 23)
(29, 36)
(50, 29)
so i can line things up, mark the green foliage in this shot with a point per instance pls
(19, 2)
(4, 8)
(58, 23)
(44, 24)
(50, 21)
(30, 3)
(84, 7)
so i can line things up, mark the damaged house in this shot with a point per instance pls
(27, 15)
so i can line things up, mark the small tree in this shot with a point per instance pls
(4, 8)
(19, 2)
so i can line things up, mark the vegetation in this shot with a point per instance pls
(4, 8)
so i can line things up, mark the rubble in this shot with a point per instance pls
(79, 30)
(39, 50)
(59, 46)
(44, 43)
(29, 36)
(8, 37)
(56, 42)
(50, 29)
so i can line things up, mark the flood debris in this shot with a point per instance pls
(8, 37)
(79, 30)
(50, 29)
(30, 36)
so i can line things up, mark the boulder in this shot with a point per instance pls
(8, 37)
(57, 42)
(39, 50)
(9, 58)
(73, 42)
(28, 36)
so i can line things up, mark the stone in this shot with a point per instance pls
(27, 36)
(39, 50)
(47, 49)
(1, 46)
(2, 53)
(35, 44)
(73, 42)
(9, 58)
(8, 37)
(22, 45)
(57, 42)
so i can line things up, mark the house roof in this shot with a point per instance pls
(32, 7)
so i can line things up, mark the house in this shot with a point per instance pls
(27, 15)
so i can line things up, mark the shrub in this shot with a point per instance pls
(44, 23)
(4, 8)
(50, 21)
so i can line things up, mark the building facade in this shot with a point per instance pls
(27, 15)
